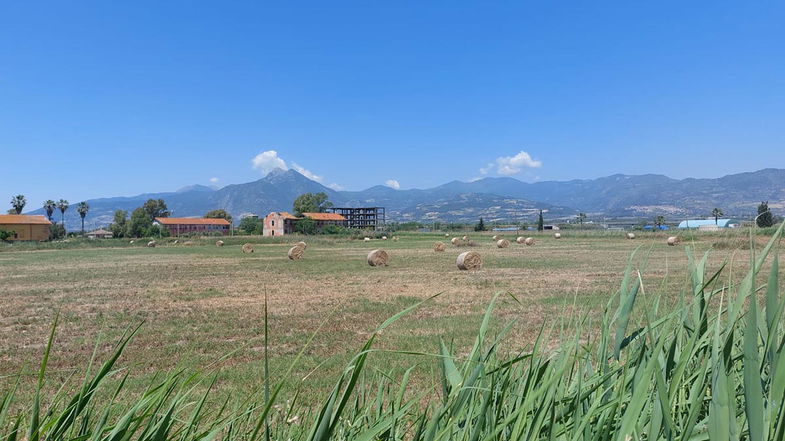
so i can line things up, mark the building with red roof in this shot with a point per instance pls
(25, 227)
(178, 226)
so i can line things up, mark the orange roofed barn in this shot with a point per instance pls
(324, 219)
(178, 226)
(25, 227)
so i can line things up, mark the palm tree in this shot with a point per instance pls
(18, 202)
(82, 208)
(49, 206)
(716, 213)
(581, 217)
(659, 221)
(62, 204)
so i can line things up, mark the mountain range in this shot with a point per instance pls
(494, 199)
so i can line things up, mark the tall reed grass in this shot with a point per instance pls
(711, 368)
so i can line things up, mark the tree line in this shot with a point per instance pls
(56, 231)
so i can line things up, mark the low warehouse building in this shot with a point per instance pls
(177, 226)
(25, 227)
(325, 219)
(708, 224)
(100, 234)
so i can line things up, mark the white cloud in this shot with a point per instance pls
(267, 161)
(511, 165)
(392, 183)
(214, 180)
(307, 173)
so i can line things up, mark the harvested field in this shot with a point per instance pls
(200, 302)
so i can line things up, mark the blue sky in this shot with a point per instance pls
(119, 98)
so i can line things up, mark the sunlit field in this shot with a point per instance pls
(200, 306)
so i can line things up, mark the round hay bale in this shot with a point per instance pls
(455, 241)
(131, 242)
(438, 246)
(470, 260)
(529, 241)
(367, 239)
(496, 237)
(384, 237)
(466, 238)
(502, 243)
(557, 235)
(296, 252)
(520, 240)
(219, 243)
(673, 241)
(446, 234)
(151, 244)
(378, 258)
(247, 248)
(395, 239)
(301, 244)
(630, 235)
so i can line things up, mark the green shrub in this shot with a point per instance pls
(6, 234)
(56, 231)
(305, 226)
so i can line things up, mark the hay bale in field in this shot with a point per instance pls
(367, 239)
(131, 242)
(529, 241)
(455, 241)
(496, 237)
(673, 241)
(301, 244)
(384, 237)
(247, 248)
(520, 240)
(438, 246)
(151, 244)
(446, 234)
(378, 258)
(630, 235)
(465, 238)
(296, 252)
(502, 243)
(219, 243)
(395, 239)
(557, 235)
(470, 260)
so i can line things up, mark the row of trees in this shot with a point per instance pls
(19, 202)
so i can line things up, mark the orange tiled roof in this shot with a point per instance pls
(190, 221)
(23, 219)
(325, 216)
(285, 215)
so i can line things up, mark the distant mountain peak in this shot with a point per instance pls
(277, 171)
(195, 187)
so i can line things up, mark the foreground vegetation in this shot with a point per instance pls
(712, 367)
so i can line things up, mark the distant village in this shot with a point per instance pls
(313, 214)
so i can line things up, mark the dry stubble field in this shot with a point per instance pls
(197, 303)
